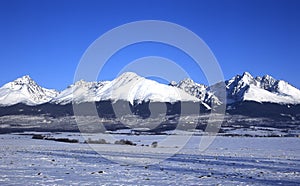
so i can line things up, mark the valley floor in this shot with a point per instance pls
(227, 161)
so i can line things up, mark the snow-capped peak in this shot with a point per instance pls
(24, 80)
(247, 78)
(265, 89)
(126, 77)
(25, 90)
(268, 77)
(247, 74)
(19, 82)
(189, 86)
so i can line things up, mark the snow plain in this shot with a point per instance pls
(227, 161)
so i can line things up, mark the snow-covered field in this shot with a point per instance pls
(227, 161)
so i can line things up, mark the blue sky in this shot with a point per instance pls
(47, 38)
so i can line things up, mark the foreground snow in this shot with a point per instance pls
(228, 161)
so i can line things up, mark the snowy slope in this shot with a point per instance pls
(131, 87)
(79, 92)
(25, 90)
(261, 89)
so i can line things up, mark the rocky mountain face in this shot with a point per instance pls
(200, 91)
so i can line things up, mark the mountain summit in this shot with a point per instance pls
(261, 89)
(25, 90)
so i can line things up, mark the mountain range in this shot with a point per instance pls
(136, 89)
(132, 94)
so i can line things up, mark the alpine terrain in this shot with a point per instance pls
(135, 100)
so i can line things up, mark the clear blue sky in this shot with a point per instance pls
(46, 38)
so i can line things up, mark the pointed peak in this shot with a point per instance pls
(128, 74)
(247, 74)
(26, 77)
(244, 76)
(268, 77)
(247, 78)
(186, 81)
(24, 80)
